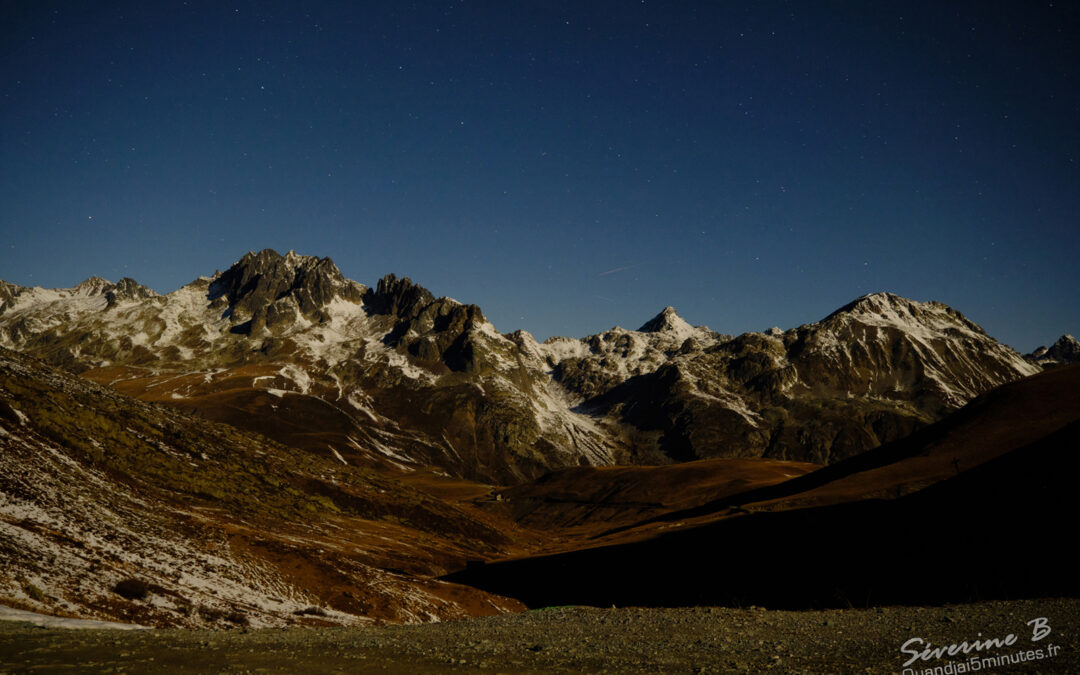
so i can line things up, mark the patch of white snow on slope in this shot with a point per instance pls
(362, 403)
(185, 307)
(400, 362)
(298, 375)
(12, 614)
(399, 459)
(552, 410)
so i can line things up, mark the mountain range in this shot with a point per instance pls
(276, 443)
(392, 376)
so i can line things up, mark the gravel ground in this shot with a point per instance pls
(577, 639)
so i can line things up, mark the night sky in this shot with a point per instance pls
(566, 166)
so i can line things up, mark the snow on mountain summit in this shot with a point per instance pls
(887, 344)
(889, 309)
(668, 321)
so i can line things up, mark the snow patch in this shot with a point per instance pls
(298, 375)
(400, 460)
(362, 403)
(399, 362)
(24, 616)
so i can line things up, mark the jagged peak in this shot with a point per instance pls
(267, 288)
(92, 286)
(667, 321)
(127, 289)
(287, 270)
(8, 292)
(1065, 350)
(291, 259)
(400, 296)
(130, 286)
(269, 257)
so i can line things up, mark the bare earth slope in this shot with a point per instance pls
(213, 525)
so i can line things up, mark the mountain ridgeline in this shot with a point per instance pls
(397, 378)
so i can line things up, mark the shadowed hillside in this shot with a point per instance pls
(998, 529)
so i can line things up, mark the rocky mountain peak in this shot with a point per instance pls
(254, 266)
(889, 309)
(8, 292)
(269, 289)
(430, 328)
(667, 321)
(882, 303)
(92, 286)
(127, 289)
(396, 296)
(1065, 350)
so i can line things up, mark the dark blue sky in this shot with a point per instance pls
(566, 166)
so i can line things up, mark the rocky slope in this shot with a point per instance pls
(118, 509)
(397, 378)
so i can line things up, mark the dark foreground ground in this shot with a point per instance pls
(686, 640)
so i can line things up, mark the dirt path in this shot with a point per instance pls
(626, 640)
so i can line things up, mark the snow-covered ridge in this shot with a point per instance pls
(887, 309)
